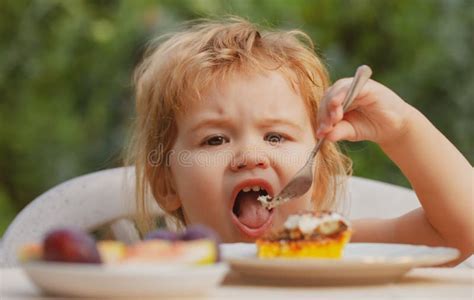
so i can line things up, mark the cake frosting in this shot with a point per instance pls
(308, 235)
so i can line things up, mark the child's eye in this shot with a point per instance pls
(274, 138)
(216, 140)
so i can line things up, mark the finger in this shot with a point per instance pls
(323, 129)
(338, 92)
(331, 113)
(335, 114)
(331, 109)
(331, 101)
(342, 86)
(331, 96)
(342, 131)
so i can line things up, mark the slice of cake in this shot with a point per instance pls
(308, 235)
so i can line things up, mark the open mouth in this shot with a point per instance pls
(251, 217)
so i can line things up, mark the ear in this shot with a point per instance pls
(171, 202)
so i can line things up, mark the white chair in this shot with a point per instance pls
(367, 198)
(85, 202)
(91, 200)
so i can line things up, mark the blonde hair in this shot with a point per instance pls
(181, 68)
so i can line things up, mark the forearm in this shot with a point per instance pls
(441, 177)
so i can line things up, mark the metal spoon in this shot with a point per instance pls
(303, 179)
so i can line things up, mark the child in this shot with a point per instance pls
(226, 112)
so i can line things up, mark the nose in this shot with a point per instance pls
(250, 159)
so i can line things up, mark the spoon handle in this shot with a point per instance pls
(361, 76)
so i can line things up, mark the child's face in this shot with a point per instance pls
(253, 131)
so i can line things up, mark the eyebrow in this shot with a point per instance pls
(227, 123)
(272, 121)
(211, 123)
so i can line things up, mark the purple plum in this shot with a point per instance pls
(70, 245)
(198, 231)
(162, 234)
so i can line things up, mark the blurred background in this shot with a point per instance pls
(65, 74)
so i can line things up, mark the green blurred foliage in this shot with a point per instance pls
(65, 69)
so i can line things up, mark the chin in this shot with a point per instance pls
(243, 239)
(240, 237)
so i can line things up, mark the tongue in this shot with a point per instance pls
(252, 213)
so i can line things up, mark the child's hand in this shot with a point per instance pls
(377, 114)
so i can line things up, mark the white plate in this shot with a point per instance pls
(362, 263)
(87, 280)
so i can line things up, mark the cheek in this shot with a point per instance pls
(198, 184)
(289, 159)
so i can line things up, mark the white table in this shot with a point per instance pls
(421, 283)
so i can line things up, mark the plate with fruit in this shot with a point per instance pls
(69, 262)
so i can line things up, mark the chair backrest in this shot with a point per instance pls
(86, 202)
(367, 198)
